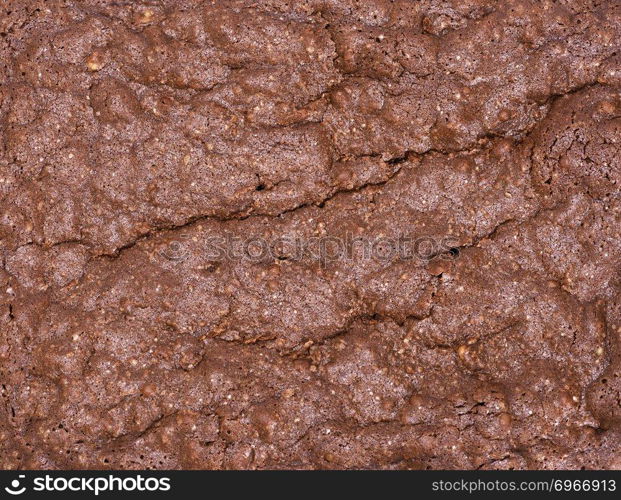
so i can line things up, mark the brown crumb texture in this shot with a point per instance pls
(162, 163)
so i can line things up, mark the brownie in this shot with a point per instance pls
(322, 234)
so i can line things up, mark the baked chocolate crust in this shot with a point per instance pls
(316, 234)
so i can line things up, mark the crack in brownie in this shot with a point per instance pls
(314, 234)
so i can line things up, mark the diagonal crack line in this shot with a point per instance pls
(552, 98)
(243, 215)
(491, 234)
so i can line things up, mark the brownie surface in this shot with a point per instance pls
(315, 234)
